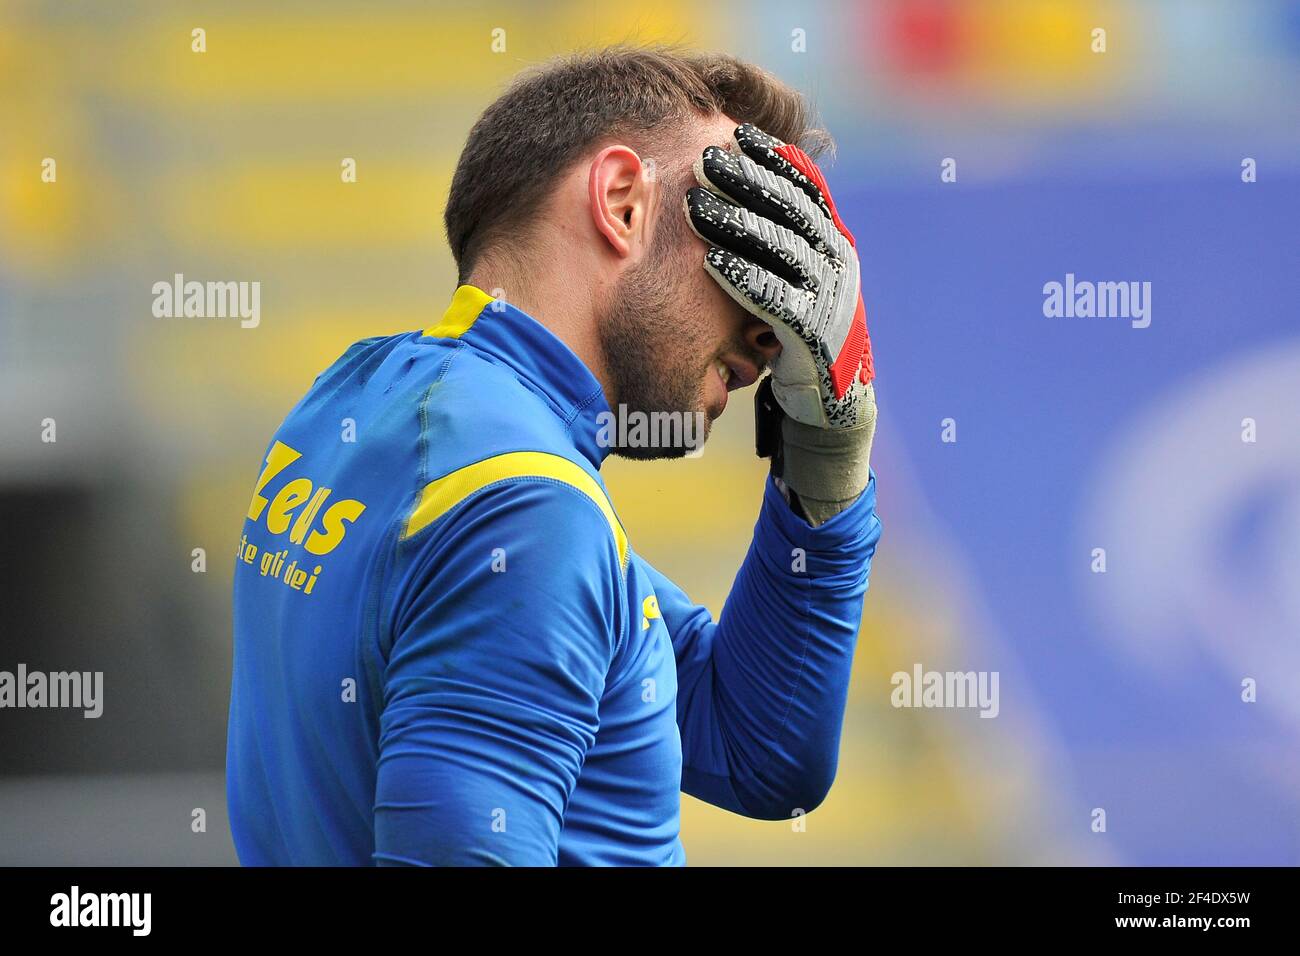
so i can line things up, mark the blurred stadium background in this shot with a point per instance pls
(1118, 690)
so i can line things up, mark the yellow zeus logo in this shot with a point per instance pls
(297, 493)
(649, 611)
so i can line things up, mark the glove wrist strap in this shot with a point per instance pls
(768, 416)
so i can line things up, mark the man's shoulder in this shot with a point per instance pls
(457, 398)
(447, 422)
(478, 408)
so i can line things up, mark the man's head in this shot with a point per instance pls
(569, 196)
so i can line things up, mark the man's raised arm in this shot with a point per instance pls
(761, 693)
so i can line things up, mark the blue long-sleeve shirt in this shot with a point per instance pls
(446, 651)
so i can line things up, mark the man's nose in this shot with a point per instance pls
(762, 340)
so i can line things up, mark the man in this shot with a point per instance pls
(446, 649)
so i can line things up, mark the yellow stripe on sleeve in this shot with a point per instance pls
(443, 494)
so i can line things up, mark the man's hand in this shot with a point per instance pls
(780, 249)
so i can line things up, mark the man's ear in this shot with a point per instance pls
(620, 196)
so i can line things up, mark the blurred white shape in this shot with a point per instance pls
(1202, 529)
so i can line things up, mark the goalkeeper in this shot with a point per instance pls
(446, 649)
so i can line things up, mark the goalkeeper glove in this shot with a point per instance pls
(780, 249)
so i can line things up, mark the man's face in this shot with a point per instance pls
(673, 340)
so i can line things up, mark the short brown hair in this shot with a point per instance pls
(551, 113)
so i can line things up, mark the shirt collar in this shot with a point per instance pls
(540, 359)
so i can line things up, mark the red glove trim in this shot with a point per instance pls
(855, 356)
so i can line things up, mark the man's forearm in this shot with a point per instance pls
(781, 659)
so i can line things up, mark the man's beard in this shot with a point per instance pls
(655, 359)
